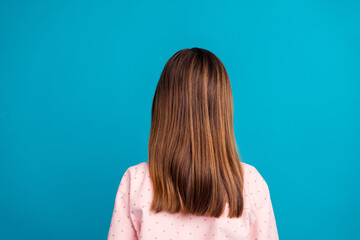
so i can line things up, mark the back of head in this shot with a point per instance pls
(194, 162)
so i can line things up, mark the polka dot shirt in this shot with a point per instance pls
(132, 218)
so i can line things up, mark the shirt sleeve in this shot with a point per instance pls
(121, 226)
(264, 226)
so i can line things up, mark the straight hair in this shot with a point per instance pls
(194, 162)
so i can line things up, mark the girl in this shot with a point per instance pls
(194, 185)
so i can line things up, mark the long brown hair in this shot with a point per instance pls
(194, 161)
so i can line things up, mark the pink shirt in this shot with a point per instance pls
(132, 218)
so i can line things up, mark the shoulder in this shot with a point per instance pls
(252, 173)
(132, 176)
(138, 169)
(257, 188)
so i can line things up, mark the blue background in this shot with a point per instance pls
(77, 80)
